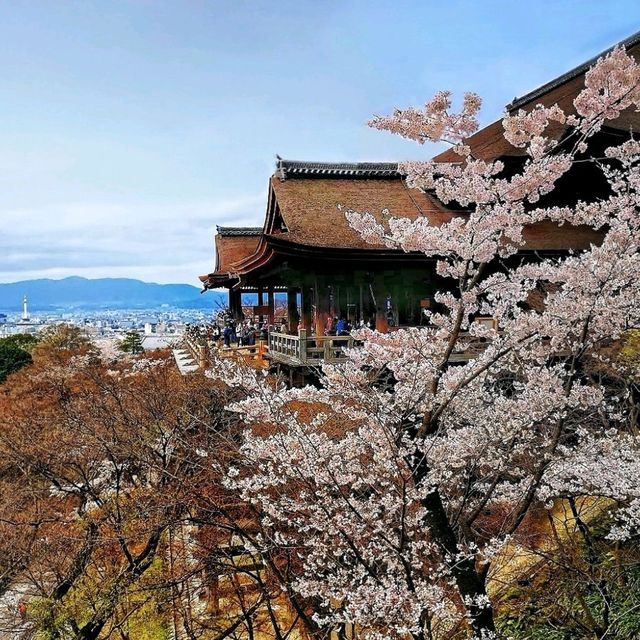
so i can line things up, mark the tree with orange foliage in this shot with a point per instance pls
(113, 516)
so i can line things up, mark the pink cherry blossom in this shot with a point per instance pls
(412, 474)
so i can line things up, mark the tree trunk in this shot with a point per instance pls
(470, 583)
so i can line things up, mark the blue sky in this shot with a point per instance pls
(128, 130)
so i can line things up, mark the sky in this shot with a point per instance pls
(129, 130)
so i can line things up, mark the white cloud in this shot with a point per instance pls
(164, 243)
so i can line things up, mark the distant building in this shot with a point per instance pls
(25, 309)
(150, 326)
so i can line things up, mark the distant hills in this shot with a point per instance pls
(103, 293)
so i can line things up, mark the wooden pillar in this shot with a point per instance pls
(381, 321)
(271, 303)
(332, 292)
(380, 294)
(260, 303)
(302, 335)
(322, 307)
(202, 356)
(235, 303)
(404, 317)
(305, 307)
(292, 309)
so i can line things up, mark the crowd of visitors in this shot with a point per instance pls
(225, 332)
(244, 334)
(341, 326)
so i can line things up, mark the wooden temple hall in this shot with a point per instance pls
(307, 249)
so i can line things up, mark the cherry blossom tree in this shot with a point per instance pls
(401, 480)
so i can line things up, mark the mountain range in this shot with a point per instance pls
(103, 293)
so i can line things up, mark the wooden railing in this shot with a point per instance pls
(249, 354)
(198, 349)
(286, 346)
(303, 349)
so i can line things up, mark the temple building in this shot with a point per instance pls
(307, 249)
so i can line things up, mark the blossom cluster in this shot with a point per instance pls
(399, 481)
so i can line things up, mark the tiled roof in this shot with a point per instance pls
(238, 231)
(310, 211)
(309, 207)
(516, 103)
(313, 222)
(306, 195)
(489, 143)
(233, 248)
(292, 168)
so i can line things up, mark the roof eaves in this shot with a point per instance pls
(516, 103)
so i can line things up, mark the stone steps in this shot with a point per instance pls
(185, 361)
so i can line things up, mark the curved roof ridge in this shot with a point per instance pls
(291, 168)
(516, 103)
(238, 231)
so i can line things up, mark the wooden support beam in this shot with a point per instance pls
(260, 303)
(381, 321)
(235, 303)
(293, 316)
(302, 335)
(306, 308)
(271, 303)
(323, 311)
(380, 294)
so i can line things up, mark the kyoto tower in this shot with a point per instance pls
(25, 310)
